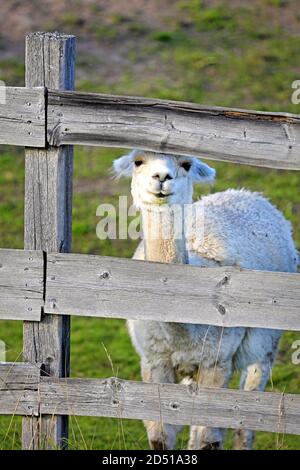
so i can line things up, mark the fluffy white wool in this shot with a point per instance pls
(234, 227)
(243, 228)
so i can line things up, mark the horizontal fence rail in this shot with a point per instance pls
(28, 118)
(89, 285)
(21, 284)
(122, 288)
(23, 116)
(19, 384)
(233, 135)
(24, 392)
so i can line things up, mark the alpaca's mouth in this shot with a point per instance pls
(161, 195)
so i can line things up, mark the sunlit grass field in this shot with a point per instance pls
(228, 54)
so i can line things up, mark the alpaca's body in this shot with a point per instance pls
(243, 229)
(233, 228)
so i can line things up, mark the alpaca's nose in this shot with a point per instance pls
(162, 176)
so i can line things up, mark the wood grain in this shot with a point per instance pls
(23, 117)
(226, 134)
(50, 62)
(24, 392)
(170, 403)
(91, 285)
(19, 384)
(232, 135)
(21, 284)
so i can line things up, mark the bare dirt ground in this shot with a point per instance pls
(95, 24)
(111, 32)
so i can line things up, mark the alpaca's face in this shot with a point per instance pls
(162, 179)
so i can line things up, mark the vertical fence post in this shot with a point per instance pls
(50, 62)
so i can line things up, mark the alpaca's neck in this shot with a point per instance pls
(163, 232)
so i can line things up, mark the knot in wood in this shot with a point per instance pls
(224, 281)
(104, 275)
(174, 405)
(193, 388)
(115, 384)
(221, 309)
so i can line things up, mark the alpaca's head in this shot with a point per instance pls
(159, 178)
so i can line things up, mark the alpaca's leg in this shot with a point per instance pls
(255, 358)
(201, 437)
(161, 436)
(254, 377)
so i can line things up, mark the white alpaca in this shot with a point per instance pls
(235, 227)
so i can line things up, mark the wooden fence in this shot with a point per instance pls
(43, 284)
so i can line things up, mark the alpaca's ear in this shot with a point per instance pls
(123, 166)
(202, 173)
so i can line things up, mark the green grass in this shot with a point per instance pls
(223, 55)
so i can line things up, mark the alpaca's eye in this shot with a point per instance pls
(138, 162)
(186, 165)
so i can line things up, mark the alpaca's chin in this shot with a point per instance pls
(153, 200)
(157, 202)
(159, 199)
(162, 200)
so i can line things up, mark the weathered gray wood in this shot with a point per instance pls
(23, 117)
(50, 60)
(121, 288)
(48, 198)
(170, 403)
(91, 285)
(233, 135)
(21, 284)
(18, 388)
(24, 392)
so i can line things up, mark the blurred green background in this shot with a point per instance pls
(227, 53)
